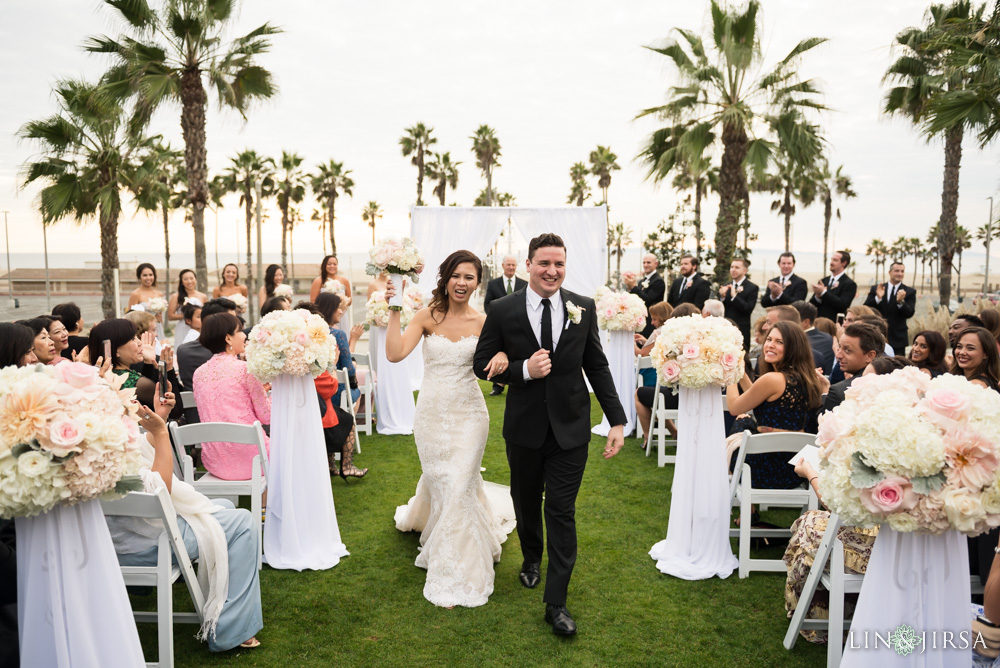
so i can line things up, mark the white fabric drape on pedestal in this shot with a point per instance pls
(415, 366)
(620, 352)
(375, 344)
(393, 394)
(72, 608)
(697, 544)
(920, 580)
(439, 231)
(301, 529)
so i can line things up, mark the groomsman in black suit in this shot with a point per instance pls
(786, 287)
(897, 303)
(501, 287)
(739, 298)
(689, 287)
(834, 294)
(650, 288)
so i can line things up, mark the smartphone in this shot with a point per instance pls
(163, 380)
(840, 318)
(107, 349)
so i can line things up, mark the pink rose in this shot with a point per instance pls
(947, 403)
(690, 350)
(77, 374)
(65, 434)
(302, 338)
(890, 495)
(131, 427)
(670, 371)
(728, 360)
(262, 335)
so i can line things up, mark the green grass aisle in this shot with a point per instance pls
(370, 611)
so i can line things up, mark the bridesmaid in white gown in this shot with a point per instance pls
(463, 520)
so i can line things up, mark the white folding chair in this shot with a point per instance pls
(658, 428)
(187, 400)
(206, 483)
(743, 495)
(170, 546)
(367, 391)
(347, 405)
(642, 362)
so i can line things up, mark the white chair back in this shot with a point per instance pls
(187, 400)
(347, 405)
(367, 392)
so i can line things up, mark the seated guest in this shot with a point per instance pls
(58, 334)
(192, 319)
(788, 313)
(658, 314)
(225, 391)
(331, 308)
(989, 316)
(878, 321)
(644, 395)
(831, 328)
(44, 348)
(131, 356)
(976, 358)
(785, 397)
(272, 304)
(192, 354)
(928, 352)
(821, 342)
(713, 308)
(860, 344)
(757, 332)
(961, 322)
(70, 316)
(232, 610)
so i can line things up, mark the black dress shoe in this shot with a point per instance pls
(562, 623)
(530, 575)
(496, 391)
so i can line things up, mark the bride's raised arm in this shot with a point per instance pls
(399, 344)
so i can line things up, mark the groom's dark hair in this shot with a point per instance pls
(543, 240)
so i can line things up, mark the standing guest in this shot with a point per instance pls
(331, 307)
(739, 298)
(146, 275)
(689, 287)
(651, 289)
(834, 294)
(187, 291)
(786, 287)
(928, 353)
(976, 358)
(820, 342)
(273, 277)
(192, 354)
(70, 316)
(44, 347)
(860, 344)
(896, 303)
(991, 318)
(230, 283)
(225, 391)
(502, 286)
(328, 269)
(378, 284)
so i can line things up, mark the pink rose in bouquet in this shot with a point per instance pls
(888, 496)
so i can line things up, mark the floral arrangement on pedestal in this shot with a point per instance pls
(619, 311)
(919, 454)
(377, 310)
(333, 286)
(240, 301)
(285, 291)
(696, 352)
(294, 342)
(67, 435)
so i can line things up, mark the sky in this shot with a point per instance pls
(554, 79)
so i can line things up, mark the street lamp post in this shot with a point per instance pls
(10, 283)
(258, 185)
(989, 233)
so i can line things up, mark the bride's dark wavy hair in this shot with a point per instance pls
(439, 296)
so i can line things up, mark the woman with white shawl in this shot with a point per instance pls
(222, 537)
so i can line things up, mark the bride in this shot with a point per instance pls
(462, 529)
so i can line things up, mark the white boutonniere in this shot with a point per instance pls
(645, 284)
(739, 289)
(836, 284)
(575, 313)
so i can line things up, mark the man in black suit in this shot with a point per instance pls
(739, 298)
(897, 304)
(549, 335)
(821, 342)
(860, 344)
(786, 287)
(501, 287)
(834, 294)
(689, 287)
(650, 288)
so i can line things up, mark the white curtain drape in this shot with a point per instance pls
(584, 231)
(72, 608)
(394, 402)
(697, 544)
(919, 580)
(301, 530)
(439, 231)
(620, 351)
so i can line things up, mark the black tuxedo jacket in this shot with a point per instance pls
(822, 346)
(835, 395)
(895, 315)
(796, 290)
(497, 288)
(651, 295)
(836, 300)
(696, 294)
(740, 306)
(561, 399)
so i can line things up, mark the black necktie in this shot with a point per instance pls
(892, 292)
(830, 283)
(546, 325)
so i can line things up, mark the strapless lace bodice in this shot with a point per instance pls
(447, 361)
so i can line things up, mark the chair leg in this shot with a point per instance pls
(257, 509)
(164, 610)
(745, 522)
(835, 649)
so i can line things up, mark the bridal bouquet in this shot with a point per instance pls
(695, 352)
(333, 286)
(620, 311)
(240, 301)
(377, 310)
(66, 436)
(920, 454)
(283, 291)
(395, 256)
(293, 342)
(157, 305)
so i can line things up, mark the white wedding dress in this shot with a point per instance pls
(463, 520)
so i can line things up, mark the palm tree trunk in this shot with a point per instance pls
(420, 178)
(248, 202)
(732, 186)
(284, 235)
(193, 100)
(443, 184)
(958, 292)
(489, 184)
(607, 227)
(109, 260)
(949, 207)
(291, 250)
(697, 218)
(746, 225)
(166, 244)
(579, 198)
(333, 238)
(827, 216)
(786, 208)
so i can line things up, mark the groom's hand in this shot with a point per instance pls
(539, 364)
(616, 439)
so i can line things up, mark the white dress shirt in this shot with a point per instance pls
(733, 285)
(533, 303)
(830, 281)
(890, 292)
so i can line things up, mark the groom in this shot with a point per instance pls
(549, 336)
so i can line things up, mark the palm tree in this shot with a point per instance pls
(445, 172)
(417, 141)
(242, 175)
(619, 239)
(878, 250)
(580, 189)
(963, 241)
(499, 199)
(158, 187)
(167, 56)
(931, 241)
(915, 247)
(320, 215)
(217, 189)
(370, 214)
(291, 190)
(726, 87)
(486, 148)
(87, 151)
(329, 182)
(602, 163)
(828, 185)
(923, 73)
